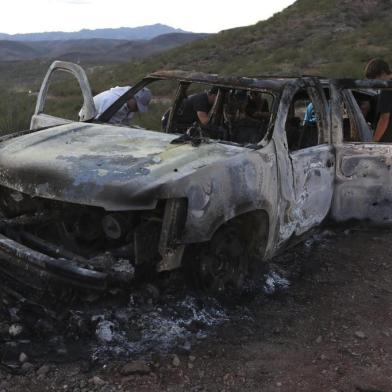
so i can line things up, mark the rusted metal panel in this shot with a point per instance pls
(190, 188)
(363, 183)
(306, 176)
(363, 188)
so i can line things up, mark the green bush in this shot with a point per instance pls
(16, 110)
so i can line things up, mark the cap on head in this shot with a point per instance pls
(143, 98)
(375, 68)
(213, 90)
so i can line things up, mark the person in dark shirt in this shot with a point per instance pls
(379, 69)
(196, 108)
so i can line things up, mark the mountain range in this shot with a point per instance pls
(123, 33)
(332, 38)
(93, 49)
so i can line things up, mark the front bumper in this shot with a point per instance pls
(37, 270)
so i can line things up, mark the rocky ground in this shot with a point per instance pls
(329, 330)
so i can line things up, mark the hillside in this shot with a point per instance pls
(93, 50)
(16, 51)
(327, 37)
(126, 33)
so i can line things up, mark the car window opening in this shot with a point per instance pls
(303, 122)
(233, 116)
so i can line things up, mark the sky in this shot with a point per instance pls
(32, 16)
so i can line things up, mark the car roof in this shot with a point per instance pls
(267, 83)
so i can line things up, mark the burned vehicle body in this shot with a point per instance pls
(363, 185)
(90, 204)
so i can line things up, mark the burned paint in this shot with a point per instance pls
(129, 198)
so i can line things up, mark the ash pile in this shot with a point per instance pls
(154, 319)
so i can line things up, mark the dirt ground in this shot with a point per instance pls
(331, 330)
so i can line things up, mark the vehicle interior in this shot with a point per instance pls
(302, 123)
(237, 116)
(359, 115)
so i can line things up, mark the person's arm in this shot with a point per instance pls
(201, 107)
(203, 117)
(382, 126)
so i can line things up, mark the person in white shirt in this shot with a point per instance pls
(138, 103)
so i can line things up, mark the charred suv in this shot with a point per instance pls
(91, 204)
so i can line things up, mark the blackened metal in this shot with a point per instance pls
(27, 220)
(17, 258)
(51, 249)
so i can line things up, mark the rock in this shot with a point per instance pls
(104, 331)
(15, 330)
(27, 367)
(22, 357)
(62, 351)
(278, 384)
(360, 335)
(274, 283)
(43, 370)
(97, 381)
(135, 367)
(192, 358)
(319, 339)
(176, 361)
(190, 365)
(187, 346)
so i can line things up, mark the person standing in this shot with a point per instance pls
(379, 69)
(138, 103)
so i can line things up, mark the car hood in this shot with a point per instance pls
(116, 168)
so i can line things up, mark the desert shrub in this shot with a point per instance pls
(16, 110)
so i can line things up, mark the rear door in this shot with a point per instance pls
(307, 169)
(363, 187)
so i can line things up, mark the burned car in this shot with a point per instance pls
(94, 205)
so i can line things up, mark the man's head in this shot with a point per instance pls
(140, 101)
(212, 93)
(377, 69)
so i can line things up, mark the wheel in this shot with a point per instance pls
(220, 265)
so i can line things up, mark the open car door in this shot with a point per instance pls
(40, 119)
